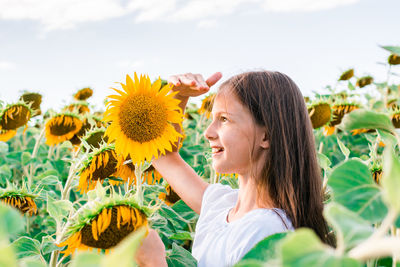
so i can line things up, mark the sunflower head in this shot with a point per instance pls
(206, 105)
(364, 81)
(80, 107)
(14, 116)
(395, 116)
(376, 170)
(34, 99)
(83, 93)
(170, 197)
(94, 139)
(103, 224)
(126, 171)
(6, 135)
(347, 75)
(100, 164)
(19, 198)
(320, 114)
(394, 59)
(142, 118)
(341, 109)
(393, 103)
(62, 127)
(76, 139)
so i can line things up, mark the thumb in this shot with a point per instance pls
(213, 79)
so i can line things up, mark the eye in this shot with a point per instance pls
(223, 119)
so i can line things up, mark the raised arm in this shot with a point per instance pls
(179, 175)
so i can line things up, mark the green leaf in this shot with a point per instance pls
(58, 209)
(122, 255)
(7, 256)
(25, 158)
(86, 259)
(350, 86)
(303, 248)
(5, 173)
(180, 257)
(350, 228)
(392, 49)
(253, 263)
(3, 148)
(391, 178)
(11, 221)
(181, 235)
(366, 119)
(49, 180)
(266, 249)
(343, 148)
(387, 137)
(29, 262)
(48, 245)
(323, 161)
(26, 247)
(354, 188)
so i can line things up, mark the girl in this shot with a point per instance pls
(260, 130)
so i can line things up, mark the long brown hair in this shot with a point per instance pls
(291, 175)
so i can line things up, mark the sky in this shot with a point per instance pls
(56, 47)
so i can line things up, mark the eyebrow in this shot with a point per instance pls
(222, 112)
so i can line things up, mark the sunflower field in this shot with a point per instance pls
(77, 187)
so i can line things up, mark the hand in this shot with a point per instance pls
(152, 251)
(190, 84)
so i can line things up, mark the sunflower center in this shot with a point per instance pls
(62, 127)
(15, 117)
(142, 118)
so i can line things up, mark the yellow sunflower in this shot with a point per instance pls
(170, 197)
(396, 118)
(14, 116)
(6, 135)
(83, 94)
(101, 164)
(206, 105)
(142, 118)
(34, 99)
(104, 226)
(94, 139)
(394, 59)
(364, 81)
(19, 198)
(347, 75)
(62, 127)
(80, 107)
(338, 112)
(320, 114)
(126, 171)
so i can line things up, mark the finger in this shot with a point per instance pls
(187, 79)
(213, 79)
(174, 80)
(200, 81)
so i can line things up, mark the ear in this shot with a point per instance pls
(265, 142)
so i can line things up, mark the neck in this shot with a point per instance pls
(247, 199)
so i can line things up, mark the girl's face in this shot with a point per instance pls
(233, 135)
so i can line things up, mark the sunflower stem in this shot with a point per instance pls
(138, 174)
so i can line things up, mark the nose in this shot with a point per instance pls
(210, 133)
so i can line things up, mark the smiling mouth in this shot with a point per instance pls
(216, 150)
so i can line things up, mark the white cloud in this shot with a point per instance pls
(64, 14)
(130, 64)
(206, 24)
(6, 65)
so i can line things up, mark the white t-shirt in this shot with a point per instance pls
(219, 243)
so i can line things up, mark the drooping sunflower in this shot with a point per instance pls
(393, 103)
(320, 114)
(101, 164)
(347, 75)
(6, 135)
(376, 170)
(94, 138)
(395, 116)
(76, 139)
(104, 224)
(394, 59)
(62, 127)
(338, 112)
(142, 118)
(170, 197)
(34, 100)
(15, 115)
(80, 107)
(206, 105)
(126, 171)
(83, 93)
(20, 199)
(364, 81)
